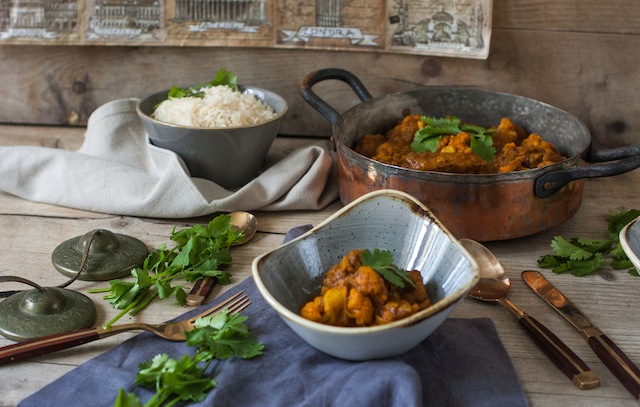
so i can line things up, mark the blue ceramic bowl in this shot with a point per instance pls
(388, 220)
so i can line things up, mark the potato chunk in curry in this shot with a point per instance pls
(353, 294)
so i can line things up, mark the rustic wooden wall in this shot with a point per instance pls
(579, 55)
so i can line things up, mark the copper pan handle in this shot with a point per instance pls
(319, 104)
(551, 182)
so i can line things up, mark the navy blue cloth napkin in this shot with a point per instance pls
(463, 363)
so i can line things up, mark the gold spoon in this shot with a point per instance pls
(245, 222)
(494, 286)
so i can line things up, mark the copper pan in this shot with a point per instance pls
(482, 207)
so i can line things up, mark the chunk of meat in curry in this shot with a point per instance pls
(515, 150)
(356, 295)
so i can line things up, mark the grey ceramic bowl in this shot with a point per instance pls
(290, 275)
(230, 156)
(630, 242)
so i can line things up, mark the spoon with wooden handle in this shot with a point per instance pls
(243, 221)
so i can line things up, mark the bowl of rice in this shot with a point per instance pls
(222, 133)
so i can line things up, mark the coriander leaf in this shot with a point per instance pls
(200, 251)
(424, 142)
(382, 262)
(618, 220)
(222, 77)
(567, 249)
(581, 256)
(183, 259)
(427, 139)
(483, 147)
(225, 77)
(183, 379)
(586, 267)
(619, 264)
(592, 245)
(618, 253)
(123, 294)
(223, 277)
(125, 399)
(476, 130)
(573, 256)
(119, 288)
(165, 290)
(156, 260)
(549, 261)
(176, 92)
(441, 126)
(151, 369)
(174, 380)
(222, 336)
(563, 267)
(575, 267)
(620, 260)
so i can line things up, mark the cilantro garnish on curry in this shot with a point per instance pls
(382, 262)
(447, 144)
(428, 137)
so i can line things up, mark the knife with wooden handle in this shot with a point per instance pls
(619, 364)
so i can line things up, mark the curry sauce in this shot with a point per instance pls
(515, 149)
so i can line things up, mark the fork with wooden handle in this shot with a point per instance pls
(173, 331)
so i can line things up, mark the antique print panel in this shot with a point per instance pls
(457, 28)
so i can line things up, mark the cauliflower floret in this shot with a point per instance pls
(371, 284)
(360, 307)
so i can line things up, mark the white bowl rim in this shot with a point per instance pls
(180, 126)
(626, 247)
(435, 308)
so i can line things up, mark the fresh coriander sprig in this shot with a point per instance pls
(382, 262)
(200, 251)
(216, 337)
(582, 257)
(428, 138)
(223, 77)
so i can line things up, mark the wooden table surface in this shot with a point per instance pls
(30, 232)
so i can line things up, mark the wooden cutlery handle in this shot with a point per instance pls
(46, 344)
(564, 358)
(200, 291)
(619, 364)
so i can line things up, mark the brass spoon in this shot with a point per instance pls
(243, 221)
(494, 286)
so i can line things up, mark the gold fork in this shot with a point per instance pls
(173, 331)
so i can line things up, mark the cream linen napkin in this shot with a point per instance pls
(117, 171)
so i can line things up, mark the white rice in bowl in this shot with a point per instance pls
(221, 106)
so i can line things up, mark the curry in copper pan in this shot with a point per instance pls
(448, 145)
